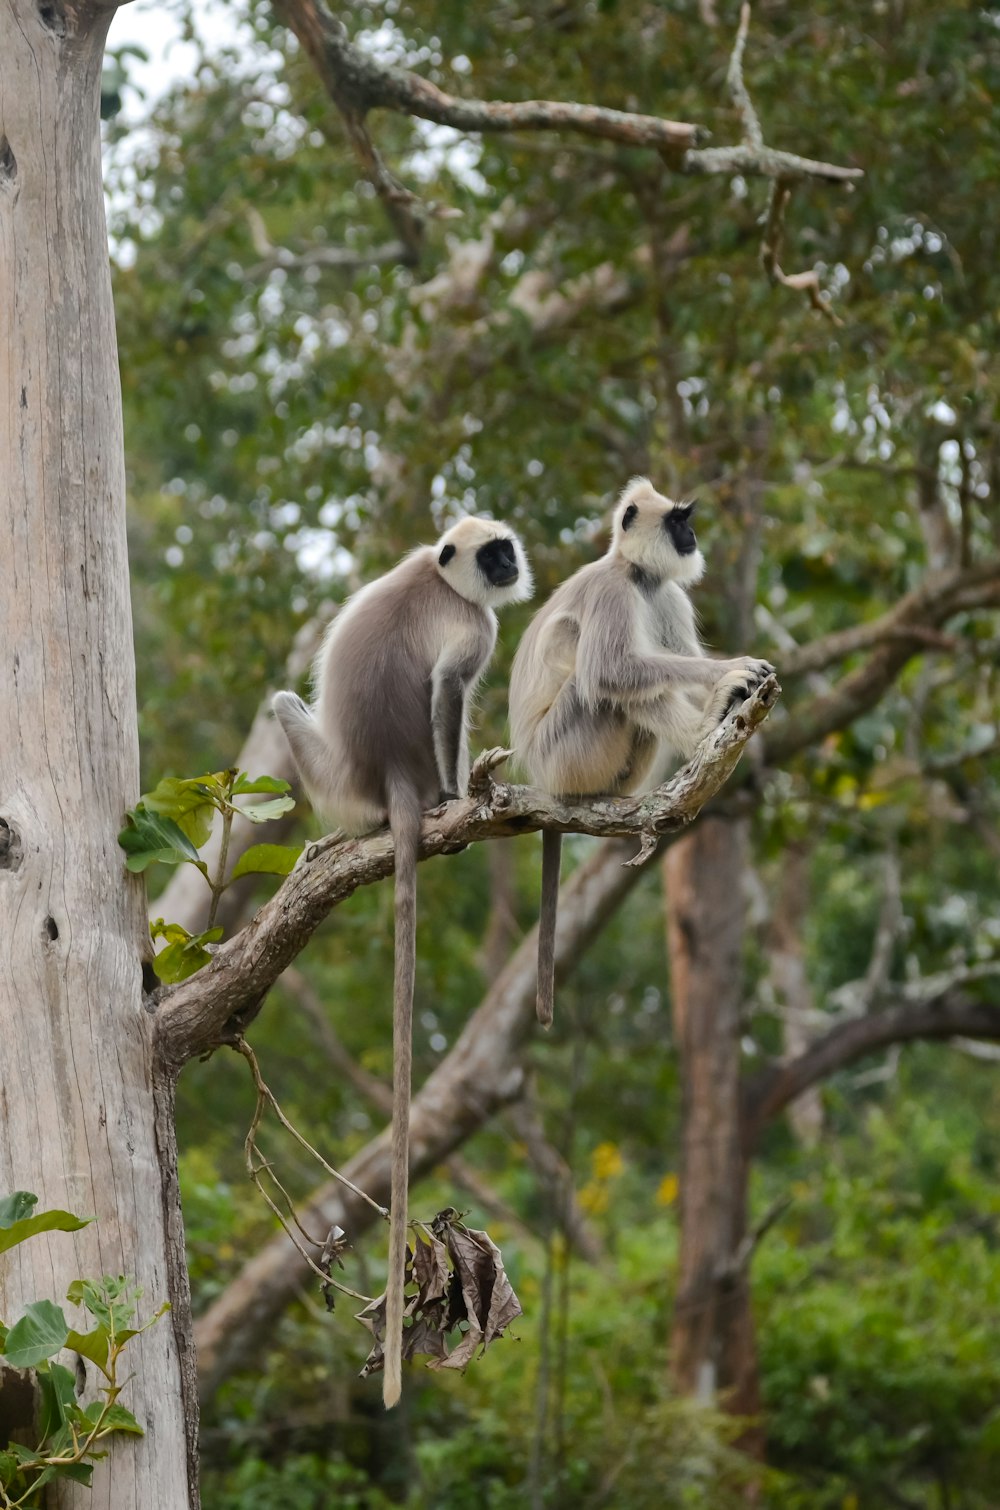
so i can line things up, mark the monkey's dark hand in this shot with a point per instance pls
(444, 797)
(737, 685)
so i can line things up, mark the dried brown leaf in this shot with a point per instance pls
(430, 1271)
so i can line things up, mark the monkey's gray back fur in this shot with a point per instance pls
(371, 726)
(575, 675)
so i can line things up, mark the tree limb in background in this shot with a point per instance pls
(770, 250)
(211, 1006)
(265, 752)
(524, 1120)
(358, 83)
(938, 596)
(948, 1015)
(897, 637)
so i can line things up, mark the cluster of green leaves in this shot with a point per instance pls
(875, 1297)
(169, 825)
(70, 1436)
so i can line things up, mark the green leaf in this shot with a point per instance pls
(14, 1208)
(191, 803)
(185, 957)
(112, 1300)
(39, 1334)
(57, 1389)
(12, 1233)
(117, 1419)
(8, 1468)
(259, 784)
(267, 860)
(80, 1473)
(263, 812)
(92, 1345)
(148, 837)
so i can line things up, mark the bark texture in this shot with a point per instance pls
(77, 1120)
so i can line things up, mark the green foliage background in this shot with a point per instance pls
(291, 430)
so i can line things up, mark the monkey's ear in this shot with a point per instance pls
(447, 551)
(629, 516)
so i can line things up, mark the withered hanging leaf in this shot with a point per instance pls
(372, 1318)
(475, 1291)
(425, 1336)
(430, 1270)
(490, 1302)
(461, 1356)
(333, 1249)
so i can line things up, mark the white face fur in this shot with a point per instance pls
(484, 578)
(640, 534)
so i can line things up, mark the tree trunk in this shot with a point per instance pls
(713, 1353)
(78, 1124)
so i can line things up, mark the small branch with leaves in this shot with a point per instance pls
(169, 826)
(71, 1436)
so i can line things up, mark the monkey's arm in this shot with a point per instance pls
(450, 688)
(612, 663)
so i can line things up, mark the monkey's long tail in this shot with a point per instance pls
(404, 822)
(546, 989)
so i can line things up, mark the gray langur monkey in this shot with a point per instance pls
(610, 678)
(387, 738)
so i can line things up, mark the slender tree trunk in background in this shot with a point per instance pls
(712, 1347)
(77, 1115)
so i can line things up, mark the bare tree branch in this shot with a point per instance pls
(265, 752)
(896, 637)
(524, 1120)
(936, 599)
(338, 258)
(209, 1007)
(358, 83)
(948, 1015)
(770, 251)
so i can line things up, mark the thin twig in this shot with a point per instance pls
(770, 248)
(242, 1047)
(752, 134)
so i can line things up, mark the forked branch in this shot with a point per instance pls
(358, 83)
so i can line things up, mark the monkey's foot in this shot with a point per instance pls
(483, 768)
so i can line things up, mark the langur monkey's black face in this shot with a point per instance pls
(484, 562)
(497, 560)
(678, 526)
(655, 535)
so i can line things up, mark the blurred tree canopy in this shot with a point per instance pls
(303, 404)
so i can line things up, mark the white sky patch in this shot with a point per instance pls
(148, 24)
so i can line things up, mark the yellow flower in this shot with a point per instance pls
(593, 1197)
(667, 1190)
(606, 1161)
